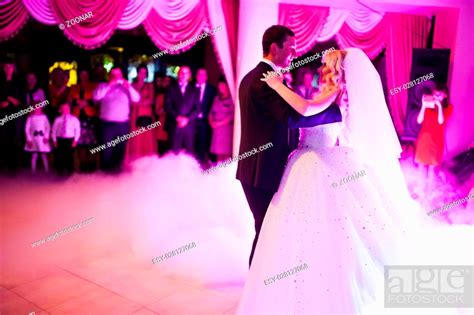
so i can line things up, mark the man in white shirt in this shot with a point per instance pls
(65, 134)
(115, 98)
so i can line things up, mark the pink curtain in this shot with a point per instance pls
(358, 28)
(135, 13)
(94, 31)
(173, 21)
(222, 42)
(371, 42)
(369, 31)
(13, 16)
(414, 31)
(306, 21)
(167, 22)
(230, 9)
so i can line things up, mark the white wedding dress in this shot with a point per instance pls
(344, 234)
(337, 214)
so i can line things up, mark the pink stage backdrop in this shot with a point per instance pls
(13, 16)
(167, 22)
(367, 30)
(306, 21)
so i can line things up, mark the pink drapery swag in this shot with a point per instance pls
(306, 21)
(174, 21)
(368, 30)
(13, 16)
(167, 22)
(414, 30)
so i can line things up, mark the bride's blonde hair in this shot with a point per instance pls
(332, 71)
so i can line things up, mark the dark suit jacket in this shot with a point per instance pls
(178, 105)
(266, 117)
(207, 99)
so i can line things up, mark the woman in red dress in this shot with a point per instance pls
(141, 116)
(434, 112)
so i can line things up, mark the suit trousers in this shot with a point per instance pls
(111, 158)
(64, 156)
(203, 139)
(258, 200)
(183, 138)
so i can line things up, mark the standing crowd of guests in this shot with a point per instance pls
(195, 117)
(195, 111)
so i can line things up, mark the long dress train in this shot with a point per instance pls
(328, 232)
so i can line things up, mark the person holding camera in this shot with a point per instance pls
(115, 98)
(430, 144)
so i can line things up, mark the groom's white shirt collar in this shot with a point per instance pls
(274, 66)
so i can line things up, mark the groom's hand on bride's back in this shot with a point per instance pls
(272, 104)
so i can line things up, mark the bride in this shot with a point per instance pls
(342, 210)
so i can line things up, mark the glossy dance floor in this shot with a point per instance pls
(109, 285)
(99, 269)
(105, 266)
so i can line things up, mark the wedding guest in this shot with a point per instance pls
(99, 73)
(65, 134)
(430, 143)
(37, 131)
(33, 93)
(58, 92)
(207, 92)
(289, 79)
(161, 85)
(12, 132)
(182, 108)
(221, 119)
(306, 90)
(84, 108)
(115, 98)
(142, 116)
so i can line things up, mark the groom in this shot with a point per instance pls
(266, 117)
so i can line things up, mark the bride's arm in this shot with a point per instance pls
(305, 107)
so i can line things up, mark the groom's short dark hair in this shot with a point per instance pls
(275, 34)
